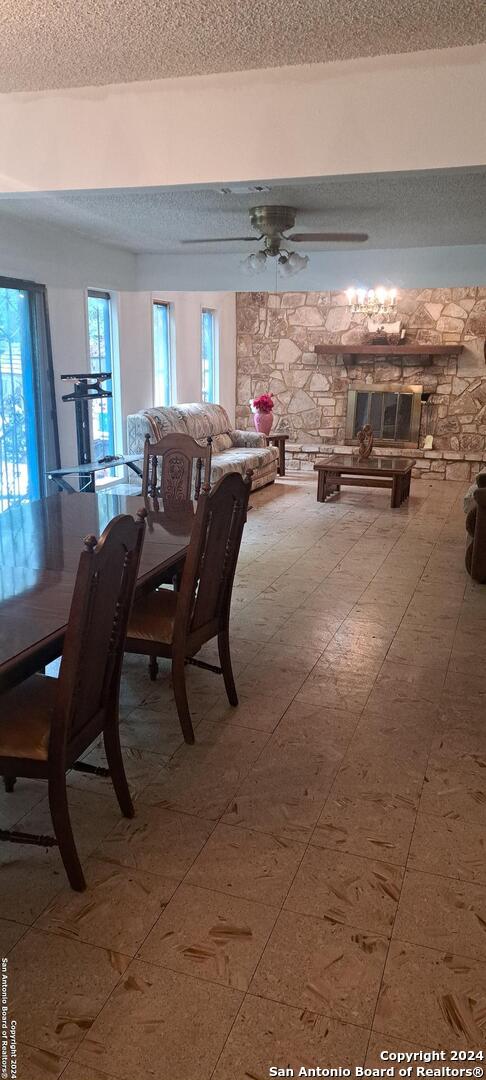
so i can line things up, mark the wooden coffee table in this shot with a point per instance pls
(279, 441)
(383, 472)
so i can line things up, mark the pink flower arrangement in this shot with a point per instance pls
(262, 404)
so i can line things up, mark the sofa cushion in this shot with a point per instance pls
(222, 442)
(203, 418)
(241, 460)
(165, 421)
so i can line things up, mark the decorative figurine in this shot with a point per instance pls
(365, 441)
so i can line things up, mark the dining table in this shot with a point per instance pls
(40, 545)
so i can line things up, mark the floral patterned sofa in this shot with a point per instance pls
(233, 451)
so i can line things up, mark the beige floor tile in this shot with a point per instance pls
(141, 767)
(443, 914)
(431, 998)
(92, 818)
(336, 690)
(267, 1034)
(57, 988)
(30, 877)
(260, 712)
(10, 932)
(373, 824)
(116, 912)
(330, 969)
(317, 726)
(84, 1072)
(285, 791)
(201, 779)
(346, 889)
(309, 629)
(161, 1024)
(422, 648)
(455, 783)
(270, 809)
(406, 693)
(16, 804)
(456, 849)
(211, 936)
(249, 864)
(154, 730)
(160, 841)
(380, 1046)
(34, 1064)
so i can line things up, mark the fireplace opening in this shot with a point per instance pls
(392, 410)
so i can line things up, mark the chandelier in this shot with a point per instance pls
(375, 303)
(288, 262)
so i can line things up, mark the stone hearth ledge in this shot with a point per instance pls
(438, 464)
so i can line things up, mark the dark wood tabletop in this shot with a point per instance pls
(40, 545)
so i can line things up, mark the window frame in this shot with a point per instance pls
(156, 302)
(114, 367)
(205, 310)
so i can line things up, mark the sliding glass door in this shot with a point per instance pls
(28, 428)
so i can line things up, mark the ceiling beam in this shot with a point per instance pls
(413, 111)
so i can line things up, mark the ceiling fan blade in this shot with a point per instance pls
(323, 237)
(222, 240)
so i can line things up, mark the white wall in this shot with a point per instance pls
(403, 268)
(136, 347)
(386, 113)
(68, 265)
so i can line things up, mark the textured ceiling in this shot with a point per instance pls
(397, 210)
(60, 43)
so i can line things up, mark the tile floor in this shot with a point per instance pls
(307, 884)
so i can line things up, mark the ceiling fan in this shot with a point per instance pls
(271, 222)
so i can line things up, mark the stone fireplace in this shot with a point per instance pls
(393, 411)
(278, 339)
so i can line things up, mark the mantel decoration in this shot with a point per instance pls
(365, 442)
(262, 409)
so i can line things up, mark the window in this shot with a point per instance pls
(101, 360)
(208, 355)
(162, 353)
(29, 444)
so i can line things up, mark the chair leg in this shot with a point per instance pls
(114, 757)
(153, 668)
(225, 661)
(180, 694)
(9, 783)
(61, 821)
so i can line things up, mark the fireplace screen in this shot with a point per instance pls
(392, 410)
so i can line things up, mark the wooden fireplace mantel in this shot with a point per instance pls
(426, 352)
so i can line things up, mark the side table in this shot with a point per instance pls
(278, 441)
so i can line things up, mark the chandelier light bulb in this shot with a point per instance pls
(375, 303)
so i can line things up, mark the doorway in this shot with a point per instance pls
(28, 426)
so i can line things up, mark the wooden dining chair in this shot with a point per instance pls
(46, 724)
(176, 624)
(173, 469)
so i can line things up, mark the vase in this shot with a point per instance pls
(263, 422)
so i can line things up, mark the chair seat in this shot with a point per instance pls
(26, 718)
(152, 617)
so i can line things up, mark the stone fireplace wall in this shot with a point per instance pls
(276, 338)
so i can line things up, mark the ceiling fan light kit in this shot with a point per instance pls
(272, 222)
